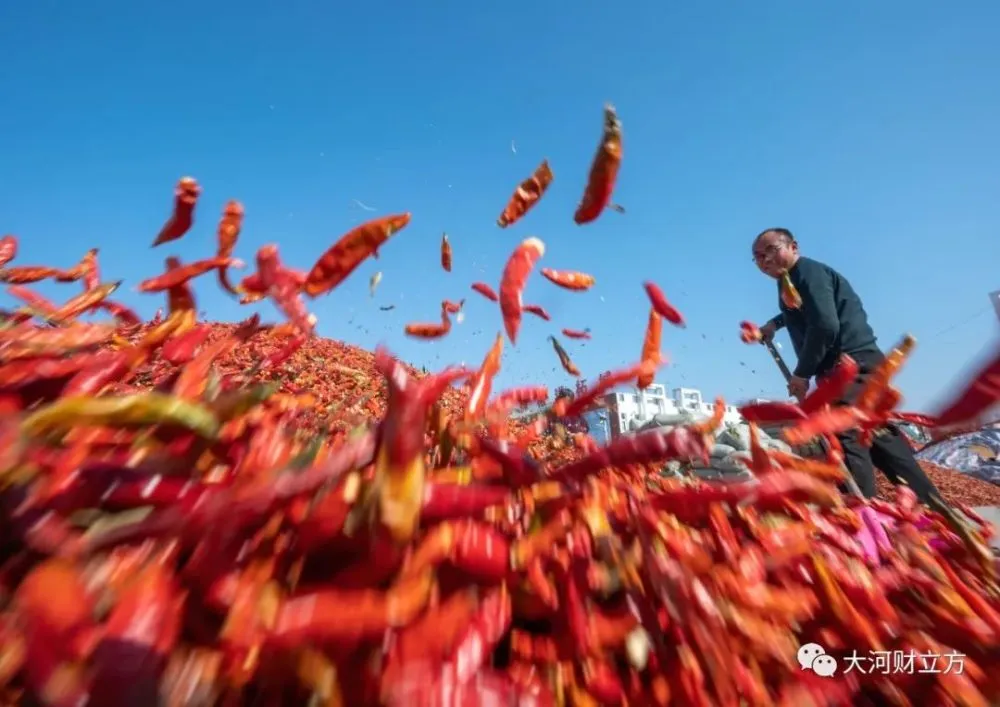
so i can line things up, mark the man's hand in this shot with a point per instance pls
(798, 387)
(767, 331)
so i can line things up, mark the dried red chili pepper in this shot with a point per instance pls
(789, 295)
(399, 465)
(86, 270)
(833, 386)
(445, 253)
(84, 302)
(450, 307)
(526, 195)
(661, 305)
(125, 316)
(603, 171)
(185, 198)
(228, 233)
(26, 274)
(482, 381)
(605, 382)
(828, 421)
(486, 291)
(283, 286)
(185, 273)
(769, 412)
(345, 255)
(35, 301)
(193, 380)
(979, 395)
(750, 333)
(564, 359)
(8, 249)
(650, 348)
(515, 275)
(880, 378)
(569, 279)
(427, 330)
(537, 310)
(179, 350)
(180, 297)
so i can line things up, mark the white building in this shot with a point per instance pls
(629, 409)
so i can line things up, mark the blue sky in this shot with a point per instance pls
(868, 128)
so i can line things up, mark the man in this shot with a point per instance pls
(832, 322)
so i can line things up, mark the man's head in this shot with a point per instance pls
(775, 251)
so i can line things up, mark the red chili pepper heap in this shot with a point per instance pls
(229, 514)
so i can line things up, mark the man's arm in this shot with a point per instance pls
(777, 322)
(822, 321)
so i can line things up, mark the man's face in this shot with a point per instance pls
(774, 253)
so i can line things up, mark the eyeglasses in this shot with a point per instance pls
(768, 252)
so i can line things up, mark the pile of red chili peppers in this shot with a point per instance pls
(184, 531)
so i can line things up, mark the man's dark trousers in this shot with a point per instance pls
(890, 452)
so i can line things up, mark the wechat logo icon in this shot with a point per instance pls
(813, 656)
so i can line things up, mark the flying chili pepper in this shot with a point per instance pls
(83, 269)
(142, 409)
(445, 253)
(569, 279)
(482, 382)
(185, 197)
(564, 359)
(34, 300)
(84, 302)
(878, 382)
(789, 295)
(227, 234)
(27, 274)
(350, 251)
(427, 330)
(750, 333)
(603, 170)
(515, 275)
(282, 285)
(576, 333)
(526, 195)
(8, 249)
(485, 290)
(180, 297)
(538, 311)
(661, 305)
(833, 386)
(423, 330)
(184, 273)
(373, 283)
(979, 395)
(651, 348)
(452, 307)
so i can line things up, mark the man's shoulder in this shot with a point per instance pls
(810, 264)
(808, 267)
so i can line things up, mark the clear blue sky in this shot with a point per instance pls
(868, 128)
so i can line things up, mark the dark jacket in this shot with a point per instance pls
(832, 321)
